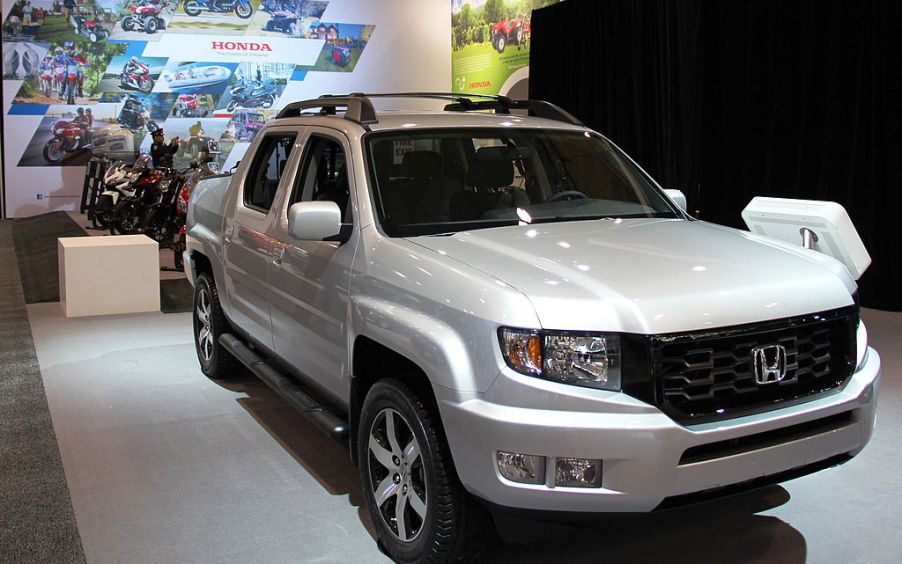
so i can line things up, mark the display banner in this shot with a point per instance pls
(490, 44)
(89, 77)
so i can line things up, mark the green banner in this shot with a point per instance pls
(490, 44)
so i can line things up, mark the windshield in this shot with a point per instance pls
(443, 181)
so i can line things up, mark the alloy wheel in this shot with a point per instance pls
(204, 333)
(397, 475)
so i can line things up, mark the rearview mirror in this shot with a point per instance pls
(678, 198)
(314, 221)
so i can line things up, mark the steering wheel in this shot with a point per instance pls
(566, 195)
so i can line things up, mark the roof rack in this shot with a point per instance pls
(359, 108)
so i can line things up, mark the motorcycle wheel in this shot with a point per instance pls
(193, 8)
(145, 86)
(102, 209)
(53, 151)
(123, 220)
(269, 101)
(244, 11)
(150, 25)
(232, 105)
(177, 253)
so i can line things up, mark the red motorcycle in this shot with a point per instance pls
(188, 105)
(68, 137)
(136, 77)
(145, 17)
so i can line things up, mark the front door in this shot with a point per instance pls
(309, 280)
(247, 249)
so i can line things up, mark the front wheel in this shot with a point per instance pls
(53, 151)
(232, 105)
(209, 323)
(128, 23)
(93, 37)
(269, 101)
(102, 209)
(502, 43)
(244, 10)
(124, 220)
(150, 25)
(145, 86)
(419, 508)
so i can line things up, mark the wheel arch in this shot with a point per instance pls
(373, 361)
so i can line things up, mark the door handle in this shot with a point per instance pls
(228, 233)
(278, 253)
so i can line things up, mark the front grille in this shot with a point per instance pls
(710, 375)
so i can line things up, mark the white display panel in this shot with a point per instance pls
(831, 229)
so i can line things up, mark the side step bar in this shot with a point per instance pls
(321, 417)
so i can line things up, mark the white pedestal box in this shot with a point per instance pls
(108, 275)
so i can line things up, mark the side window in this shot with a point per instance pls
(266, 169)
(324, 175)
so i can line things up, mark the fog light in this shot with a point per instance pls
(522, 468)
(578, 473)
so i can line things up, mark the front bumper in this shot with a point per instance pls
(641, 448)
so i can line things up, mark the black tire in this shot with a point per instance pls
(192, 8)
(123, 220)
(209, 323)
(53, 151)
(244, 11)
(501, 43)
(150, 25)
(440, 522)
(102, 209)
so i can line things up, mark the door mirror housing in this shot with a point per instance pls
(678, 198)
(315, 221)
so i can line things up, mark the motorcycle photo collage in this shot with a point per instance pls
(83, 67)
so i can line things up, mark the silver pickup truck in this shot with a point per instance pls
(503, 311)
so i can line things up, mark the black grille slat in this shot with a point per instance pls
(709, 375)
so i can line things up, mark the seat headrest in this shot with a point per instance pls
(491, 169)
(423, 163)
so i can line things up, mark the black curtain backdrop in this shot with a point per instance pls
(729, 99)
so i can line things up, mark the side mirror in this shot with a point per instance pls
(678, 198)
(314, 221)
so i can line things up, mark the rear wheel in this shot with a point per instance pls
(150, 25)
(209, 323)
(420, 509)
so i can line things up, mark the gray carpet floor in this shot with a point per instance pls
(37, 523)
(36, 253)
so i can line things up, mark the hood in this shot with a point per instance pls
(651, 275)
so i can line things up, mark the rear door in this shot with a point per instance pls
(247, 246)
(309, 280)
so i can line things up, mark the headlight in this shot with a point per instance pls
(582, 359)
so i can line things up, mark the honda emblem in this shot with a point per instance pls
(770, 363)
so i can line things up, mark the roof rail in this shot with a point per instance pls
(359, 108)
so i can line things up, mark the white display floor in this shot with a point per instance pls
(165, 465)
